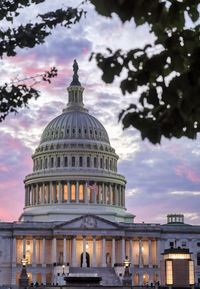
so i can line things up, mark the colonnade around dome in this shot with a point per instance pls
(75, 192)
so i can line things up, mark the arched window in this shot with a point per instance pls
(101, 163)
(88, 162)
(110, 164)
(73, 192)
(80, 192)
(136, 279)
(65, 193)
(73, 161)
(106, 164)
(198, 259)
(41, 164)
(58, 162)
(65, 162)
(95, 162)
(145, 279)
(52, 162)
(45, 163)
(80, 161)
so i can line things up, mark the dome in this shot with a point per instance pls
(74, 125)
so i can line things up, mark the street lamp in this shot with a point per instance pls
(126, 280)
(23, 279)
(63, 266)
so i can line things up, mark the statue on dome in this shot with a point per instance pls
(75, 80)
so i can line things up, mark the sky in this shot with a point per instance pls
(161, 179)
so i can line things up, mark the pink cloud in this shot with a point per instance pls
(191, 174)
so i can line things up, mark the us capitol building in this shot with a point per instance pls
(75, 219)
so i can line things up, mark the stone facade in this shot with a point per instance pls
(75, 214)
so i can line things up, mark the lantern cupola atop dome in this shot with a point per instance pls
(75, 92)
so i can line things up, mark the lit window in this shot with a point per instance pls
(65, 193)
(108, 194)
(39, 194)
(169, 273)
(57, 192)
(73, 192)
(191, 272)
(89, 194)
(80, 192)
(45, 193)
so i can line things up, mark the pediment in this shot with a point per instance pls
(87, 222)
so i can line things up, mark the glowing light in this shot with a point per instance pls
(87, 246)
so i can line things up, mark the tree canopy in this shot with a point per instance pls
(167, 71)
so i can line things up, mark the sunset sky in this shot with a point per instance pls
(161, 179)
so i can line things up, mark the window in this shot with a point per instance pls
(169, 273)
(65, 162)
(41, 164)
(45, 163)
(171, 244)
(89, 194)
(45, 193)
(73, 161)
(80, 192)
(80, 161)
(73, 192)
(73, 131)
(95, 162)
(101, 163)
(110, 165)
(65, 193)
(79, 131)
(57, 192)
(51, 162)
(106, 164)
(183, 244)
(88, 162)
(198, 259)
(58, 162)
(198, 244)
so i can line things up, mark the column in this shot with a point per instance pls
(120, 192)
(54, 250)
(43, 253)
(113, 252)
(26, 196)
(74, 252)
(51, 192)
(150, 259)
(123, 250)
(64, 251)
(103, 252)
(37, 192)
(85, 193)
(110, 193)
(84, 252)
(24, 247)
(48, 193)
(158, 252)
(95, 194)
(43, 184)
(140, 254)
(103, 193)
(68, 192)
(60, 193)
(33, 259)
(94, 252)
(116, 195)
(77, 192)
(131, 251)
(32, 195)
(14, 251)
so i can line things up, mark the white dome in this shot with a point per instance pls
(74, 125)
